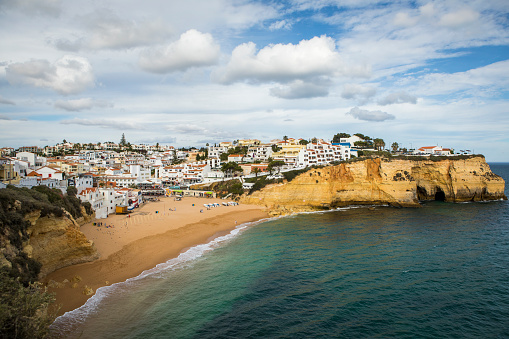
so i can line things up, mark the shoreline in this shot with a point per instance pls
(147, 238)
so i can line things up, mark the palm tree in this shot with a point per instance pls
(379, 143)
(395, 146)
(256, 170)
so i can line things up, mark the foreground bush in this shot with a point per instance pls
(24, 311)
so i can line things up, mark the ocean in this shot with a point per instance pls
(432, 272)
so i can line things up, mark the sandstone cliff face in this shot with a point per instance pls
(58, 242)
(401, 183)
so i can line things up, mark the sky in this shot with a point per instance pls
(187, 73)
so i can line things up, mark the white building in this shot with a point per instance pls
(433, 150)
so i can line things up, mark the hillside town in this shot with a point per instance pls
(109, 175)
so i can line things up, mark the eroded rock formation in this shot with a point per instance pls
(382, 181)
(57, 242)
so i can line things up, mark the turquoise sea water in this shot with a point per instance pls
(438, 271)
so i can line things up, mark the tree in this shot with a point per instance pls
(24, 309)
(314, 140)
(256, 170)
(362, 136)
(379, 144)
(395, 146)
(275, 164)
(275, 148)
(230, 168)
(285, 138)
(339, 136)
(303, 142)
(157, 146)
(122, 142)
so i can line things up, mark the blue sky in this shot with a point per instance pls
(418, 73)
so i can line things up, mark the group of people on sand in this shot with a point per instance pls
(100, 224)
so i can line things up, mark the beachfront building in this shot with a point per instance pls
(289, 153)
(350, 140)
(323, 153)
(93, 196)
(216, 151)
(184, 173)
(260, 152)
(84, 181)
(433, 150)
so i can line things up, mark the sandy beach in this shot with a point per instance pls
(154, 233)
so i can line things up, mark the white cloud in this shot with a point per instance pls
(427, 10)
(68, 75)
(491, 78)
(112, 32)
(356, 91)
(119, 124)
(460, 18)
(104, 29)
(299, 90)
(78, 105)
(4, 117)
(193, 49)
(403, 19)
(6, 101)
(285, 63)
(281, 24)
(366, 115)
(398, 98)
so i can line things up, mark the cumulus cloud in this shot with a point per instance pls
(81, 104)
(282, 24)
(193, 49)
(300, 90)
(356, 91)
(6, 102)
(112, 32)
(398, 98)
(366, 115)
(460, 18)
(34, 7)
(105, 123)
(285, 63)
(106, 30)
(68, 75)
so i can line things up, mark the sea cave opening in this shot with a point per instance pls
(439, 195)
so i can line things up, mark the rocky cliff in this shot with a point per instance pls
(40, 231)
(57, 242)
(382, 181)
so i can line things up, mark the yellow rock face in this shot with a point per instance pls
(57, 242)
(382, 181)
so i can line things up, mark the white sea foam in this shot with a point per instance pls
(69, 320)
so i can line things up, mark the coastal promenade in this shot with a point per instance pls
(131, 244)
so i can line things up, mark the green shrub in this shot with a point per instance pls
(24, 310)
